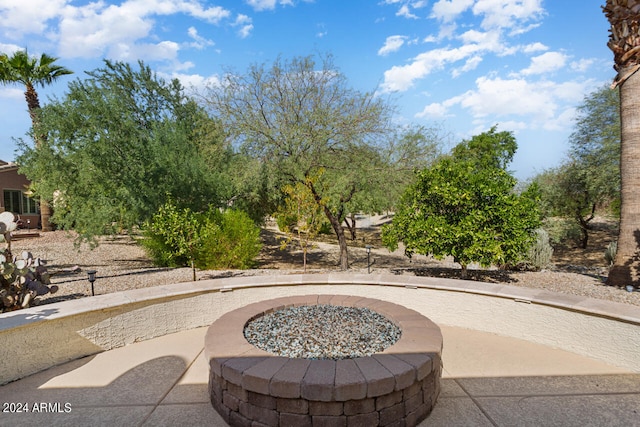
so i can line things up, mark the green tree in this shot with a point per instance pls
(595, 141)
(489, 150)
(589, 180)
(297, 118)
(30, 72)
(566, 192)
(624, 42)
(405, 150)
(300, 216)
(465, 206)
(118, 145)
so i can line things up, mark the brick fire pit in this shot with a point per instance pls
(400, 384)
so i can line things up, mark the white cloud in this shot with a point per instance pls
(392, 44)
(563, 121)
(401, 78)
(165, 50)
(246, 25)
(406, 12)
(582, 65)
(471, 64)
(10, 48)
(199, 42)
(572, 91)
(260, 5)
(12, 93)
(213, 14)
(495, 21)
(542, 105)
(193, 82)
(407, 6)
(435, 111)
(507, 13)
(89, 31)
(96, 28)
(495, 13)
(506, 97)
(21, 17)
(488, 39)
(448, 10)
(534, 47)
(545, 63)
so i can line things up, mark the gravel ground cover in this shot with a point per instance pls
(322, 332)
(122, 264)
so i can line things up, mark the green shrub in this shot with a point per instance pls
(285, 221)
(539, 254)
(563, 231)
(233, 241)
(171, 237)
(210, 240)
(326, 228)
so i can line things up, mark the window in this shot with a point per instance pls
(17, 202)
(29, 205)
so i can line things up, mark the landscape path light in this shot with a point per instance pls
(92, 278)
(368, 248)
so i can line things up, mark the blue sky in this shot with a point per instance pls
(465, 65)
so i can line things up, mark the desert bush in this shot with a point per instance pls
(233, 241)
(610, 252)
(539, 254)
(562, 231)
(206, 240)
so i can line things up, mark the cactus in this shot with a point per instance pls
(23, 278)
(8, 223)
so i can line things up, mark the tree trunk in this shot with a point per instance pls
(304, 258)
(342, 240)
(351, 226)
(464, 272)
(45, 215)
(33, 104)
(334, 219)
(584, 230)
(626, 266)
(584, 241)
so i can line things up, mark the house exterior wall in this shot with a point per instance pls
(11, 180)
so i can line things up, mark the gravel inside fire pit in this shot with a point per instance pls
(322, 332)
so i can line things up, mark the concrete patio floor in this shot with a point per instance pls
(488, 380)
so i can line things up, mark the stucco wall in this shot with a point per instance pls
(10, 179)
(44, 336)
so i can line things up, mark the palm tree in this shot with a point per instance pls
(624, 41)
(30, 72)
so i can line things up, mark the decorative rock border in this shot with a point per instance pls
(399, 385)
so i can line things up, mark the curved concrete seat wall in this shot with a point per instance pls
(44, 336)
